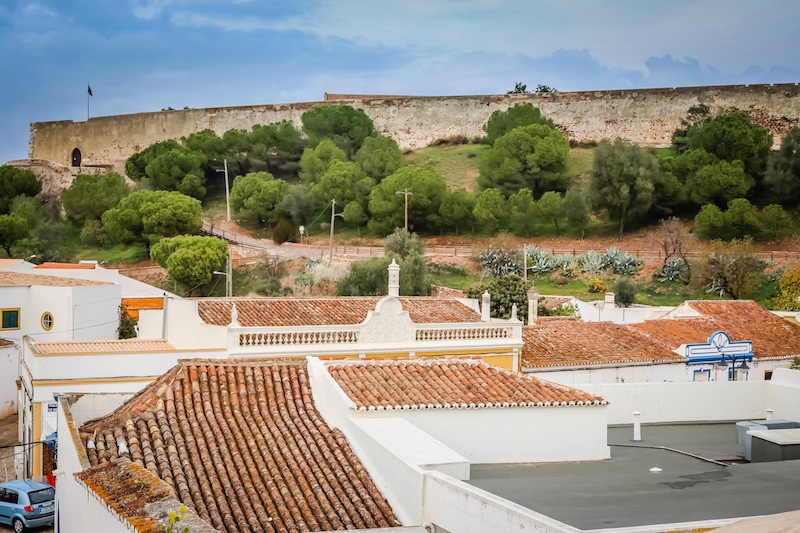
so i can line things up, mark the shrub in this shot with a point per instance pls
(596, 283)
(402, 243)
(624, 293)
(283, 232)
(93, 234)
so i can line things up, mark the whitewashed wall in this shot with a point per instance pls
(9, 362)
(453, 505)
(617, 374)
(71, 498)
(683, 402)
(184, 328)
(784, 394)
(516, 434)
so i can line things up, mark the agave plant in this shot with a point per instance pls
(591, 262)
(570, 265)
(674, 270)
(620, 262)
(499, 262)
(541, 262)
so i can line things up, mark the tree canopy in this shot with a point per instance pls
(149, 216)
(534, 156)
(783, 176)
(345, 182)
(501, 122)
(346, 126)
(387, 207)
(258, 196)
(15, 182)
(732, 137)
(191, 259)
(315, 161)
(379, 157)
(623, 181)
(91, 195)
(12, 229)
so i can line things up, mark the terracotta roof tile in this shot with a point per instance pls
(14, 278)
(555, 342)
(69, 266)
(327, 311)
(243, 446)
(742, 320)
(448, 383)
(101, 347)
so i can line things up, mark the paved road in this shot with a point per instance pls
(8, 437)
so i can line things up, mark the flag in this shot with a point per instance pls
(90, 90)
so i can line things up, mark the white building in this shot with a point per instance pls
(364, 443)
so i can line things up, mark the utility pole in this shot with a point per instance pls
(334, 214)
(405, 193)
(227, 198)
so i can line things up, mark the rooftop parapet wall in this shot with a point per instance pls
(645, 116)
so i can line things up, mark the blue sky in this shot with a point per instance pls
(146, 55)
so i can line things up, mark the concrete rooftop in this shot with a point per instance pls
(622, 492)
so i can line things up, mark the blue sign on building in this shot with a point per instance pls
(719, 349)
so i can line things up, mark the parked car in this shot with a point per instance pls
(26, 503)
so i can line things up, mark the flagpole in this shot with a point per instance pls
(87, 101)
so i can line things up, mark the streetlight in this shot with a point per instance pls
(227, 199)
(228, 275)
(405, 193)
(334, 214)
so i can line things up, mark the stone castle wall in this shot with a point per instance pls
(645, 116)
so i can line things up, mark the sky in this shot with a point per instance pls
(147, 55)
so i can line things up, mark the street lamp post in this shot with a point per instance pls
(227, 197)
(228, 275)
(405, 193)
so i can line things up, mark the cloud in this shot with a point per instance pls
(149, 9)
(197, 20)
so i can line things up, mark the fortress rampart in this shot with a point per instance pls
(645, 116)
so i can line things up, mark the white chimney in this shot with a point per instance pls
(486, 314)
(394, 279)
(610, 302)
(533, 306)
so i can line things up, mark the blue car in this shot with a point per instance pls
(26, 503)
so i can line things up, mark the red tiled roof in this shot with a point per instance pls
(69, 266)
(742, 320)
(16, 278)
(102, 347)
(327, 311)
(244, 447)
(554, 342)
(448, 383)
(572, 342)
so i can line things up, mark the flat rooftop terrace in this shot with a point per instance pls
(623, 492)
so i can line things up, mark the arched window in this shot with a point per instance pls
(76, 158)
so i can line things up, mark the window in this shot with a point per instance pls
(10, 319)
(702, 375)
(47, 320)
(9, 496)
(767, 375)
